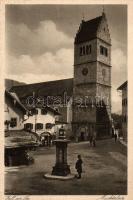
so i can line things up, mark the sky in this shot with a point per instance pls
(40, 42)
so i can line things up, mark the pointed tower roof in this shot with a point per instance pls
(88, 30)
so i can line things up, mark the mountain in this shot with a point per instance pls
(10, 83)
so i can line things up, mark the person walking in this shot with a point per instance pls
(91, 140)
(113, 132)
(115, 135)
(94, 139)
(78, 166)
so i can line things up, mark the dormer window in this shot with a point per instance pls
(44, 111)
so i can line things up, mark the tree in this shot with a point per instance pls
(117, 120)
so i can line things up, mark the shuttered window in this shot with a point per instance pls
(39, 126)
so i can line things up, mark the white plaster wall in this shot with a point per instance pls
(11, 111)
(44, 119)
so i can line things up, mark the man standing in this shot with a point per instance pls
(94, 138)
(115, 135)
(78, 166)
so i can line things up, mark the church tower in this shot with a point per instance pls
(92, 79)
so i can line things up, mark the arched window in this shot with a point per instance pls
(87, 49)
(81, 51)
(103, 51)
(106, 52)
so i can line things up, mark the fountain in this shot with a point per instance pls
(61, 170)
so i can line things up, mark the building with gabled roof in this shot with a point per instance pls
(87, 30)
(42, 119)
(124, 89)
(15, 112)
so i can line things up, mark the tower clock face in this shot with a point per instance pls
(85, 71)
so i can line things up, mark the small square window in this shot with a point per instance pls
(39, 126)
(34, 111)
(28, 126)
(13, 122)
(49, 126)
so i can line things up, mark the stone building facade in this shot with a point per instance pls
(15, 112)
(123, 88)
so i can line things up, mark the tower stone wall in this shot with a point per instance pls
(92, 79)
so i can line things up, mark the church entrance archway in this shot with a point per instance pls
(83, 133)
(82, 136)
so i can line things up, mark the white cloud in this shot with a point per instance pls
(46, 37)
(119, 75)
(44, 50)
(48, 64)
(119, 60)
(119, 67)
(50, 37)
(116, 100)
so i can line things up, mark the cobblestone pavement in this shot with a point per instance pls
(104, 171)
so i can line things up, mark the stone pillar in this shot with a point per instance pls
(61, 167)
